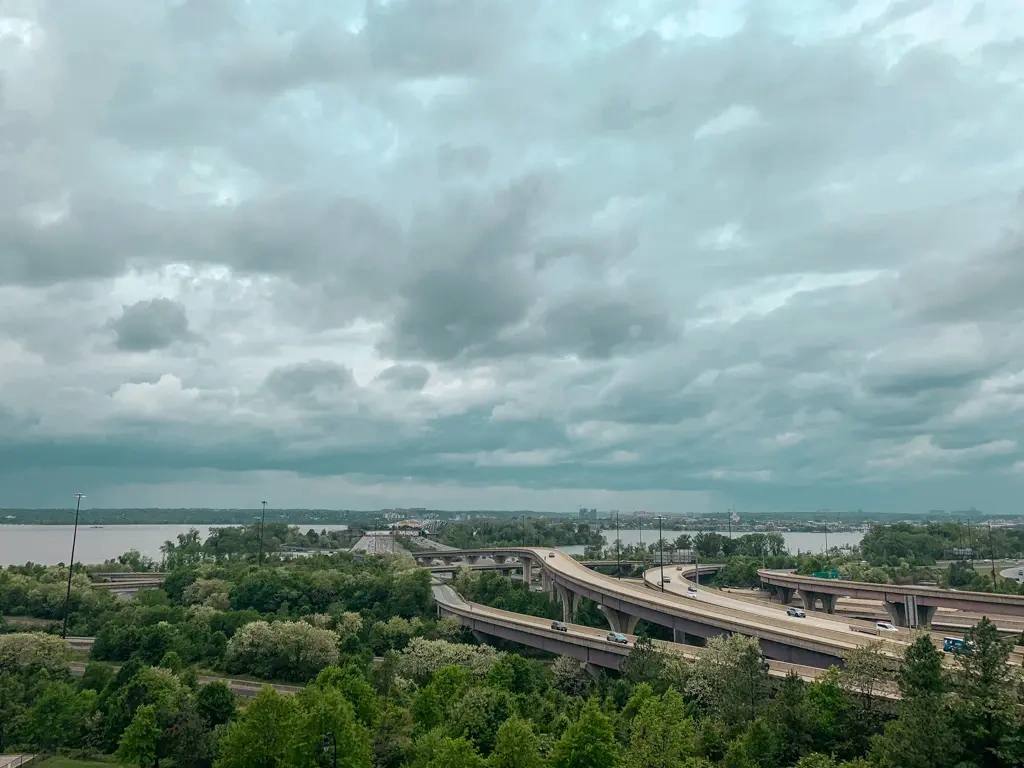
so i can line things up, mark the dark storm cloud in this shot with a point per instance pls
(410, 377)
(314, 384)
(149, 325)
(592, 245)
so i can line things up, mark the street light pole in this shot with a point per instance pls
(524, 531)
(661, 552)
(263, 522)
(618, 556)
(331, 740)
(71, 564)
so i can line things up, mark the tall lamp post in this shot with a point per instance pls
(330, 740)
(524, 531)
(661, 552)
(71, 564)
(618, 544)
(263, 522)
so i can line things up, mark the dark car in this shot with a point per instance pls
(560, 626)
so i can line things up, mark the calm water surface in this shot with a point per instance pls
(49, 544)
(52, 543)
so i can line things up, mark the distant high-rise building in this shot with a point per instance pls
(588, 514)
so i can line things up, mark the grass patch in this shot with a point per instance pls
(68, 762)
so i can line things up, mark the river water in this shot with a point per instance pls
(50, 544)
(795, 542)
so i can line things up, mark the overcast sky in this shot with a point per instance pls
(512, 253)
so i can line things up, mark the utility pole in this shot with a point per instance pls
(71, 565)
(970, 540)
(524, 531)
(992, 554)
(263, 522)
(661, 552)
(729, 515)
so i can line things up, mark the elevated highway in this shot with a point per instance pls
(586, 644)
(693, 621)
(908, 606)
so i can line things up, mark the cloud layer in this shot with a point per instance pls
(479, 253)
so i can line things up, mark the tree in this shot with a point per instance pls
(569, 677)
(513, 673)
(189, 737)
(867, 670)
(587, 743)
(925, 735)
(32, 650)
(422, 658)
(645, 663)
(292, 650)
(326, 713)
(139, 741)
(921, 673)
(516, 746)
(730, 679)
(660, 735)
(262, 737)
(456, 753)
(392, 737)
(216, 704)
(62, 716)
(816, 760)
(988, 701)
(479, 714)
(352, 684)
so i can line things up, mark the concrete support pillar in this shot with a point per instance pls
(473, 559)
(809, 599)
(619, 621)
(545, 581)
(568, 600)
(500, 559)
(897, 613)
(686, 638)
(925, 614)
(828, 602)
(785, 594)
(479, 637)
(590, 669)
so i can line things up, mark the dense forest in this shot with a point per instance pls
(384, 683)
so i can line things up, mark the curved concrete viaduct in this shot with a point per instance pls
(623, 603)
(908, 606)
(585, 644)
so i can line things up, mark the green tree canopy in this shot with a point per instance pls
(587, 743)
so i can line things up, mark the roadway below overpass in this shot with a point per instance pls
(908, 606)
(693, 621)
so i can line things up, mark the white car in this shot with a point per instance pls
(885, 626)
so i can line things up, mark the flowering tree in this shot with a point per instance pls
(422, 658)
(292, 650)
